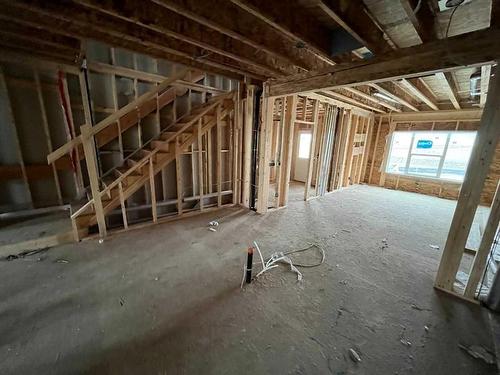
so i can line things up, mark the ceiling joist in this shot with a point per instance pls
(415, 88)
(471, 49)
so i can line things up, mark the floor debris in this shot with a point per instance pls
(212, 229)
(435, 247)
(354, 355)
(479, 352)
(385, 245)
(62, 261)
(25, 254)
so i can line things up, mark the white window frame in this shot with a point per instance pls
(411, 154)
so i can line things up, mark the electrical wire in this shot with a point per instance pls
(282, 257)
(451, 17)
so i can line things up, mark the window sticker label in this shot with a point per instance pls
(424, 143)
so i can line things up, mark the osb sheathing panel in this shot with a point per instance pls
(443, 189)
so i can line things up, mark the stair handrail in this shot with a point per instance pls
(145, 159)
(113, 118)
(148, 158)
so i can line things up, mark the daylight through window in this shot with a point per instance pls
(435, 154)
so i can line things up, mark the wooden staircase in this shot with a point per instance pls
(141, 167)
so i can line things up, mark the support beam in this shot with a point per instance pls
(289, 124)
(353, 101)
(481, 257)
(485, 82)
(180, 30)
(290, 21)
(218, 160)
(91, 162)
(472, 186)
(414, 88)
(78, 23)
(380, 88)
(471, 49)
(312, 150)
(420, 14)
(265, 140)
(353, 18)
(451, 88)
(234, 22)
(372, 99)
(247, 145)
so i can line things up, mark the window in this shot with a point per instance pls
(436, 154)
(304, 145)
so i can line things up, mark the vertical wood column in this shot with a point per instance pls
(178, 173)
(265, 143)
(481, 256)
(312, 151)
(200, 162)
(247, 145)
(289, 124)
(218, 160)
(470, 193)
(90, 159)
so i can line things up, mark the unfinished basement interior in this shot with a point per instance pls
(249, 187)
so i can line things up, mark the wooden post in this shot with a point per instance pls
(349, 158)
(200, 163)
(90, 159)
(209, 161)
(372, 165)
(265, 140)
(470, 193)
(481, 256)
(312, 151)
(344, 139)
(178, 172)
(218, 160)
(278, 159)
(366, 144)
(289, 124)
(122, 204)
(247, 145)
(152, 185)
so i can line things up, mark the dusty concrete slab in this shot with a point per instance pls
(166, 299)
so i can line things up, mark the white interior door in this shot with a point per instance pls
(302, 155)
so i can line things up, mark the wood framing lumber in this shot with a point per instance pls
(379, 87)
(290, 115)
(485, 81)
(312, 150)
(353, 18)
(247, 144)
(450, 86)
(471, 49)
(218, 158)
(372, 99)
(265, 140)
(239, 25)
(475, 176)
(421, 17)
(67, 147)
(91, 162)
(353, 101)
(289, 20)
(481, 257)
(416, 90)
(200, 161)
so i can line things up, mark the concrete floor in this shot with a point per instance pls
(166, 299)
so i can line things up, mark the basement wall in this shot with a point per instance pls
(375, 174)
